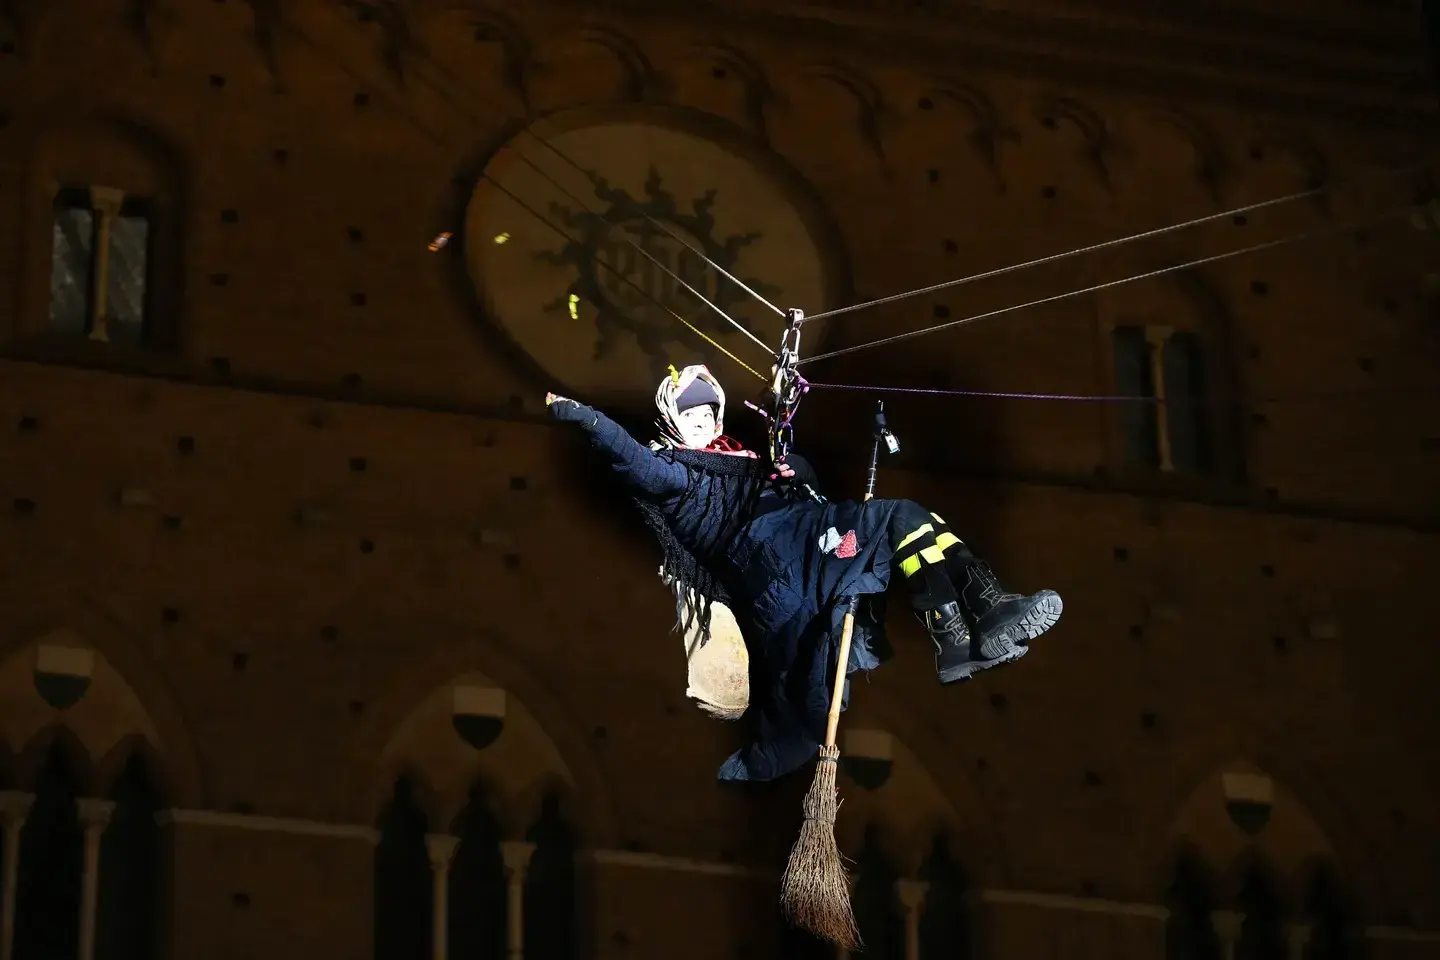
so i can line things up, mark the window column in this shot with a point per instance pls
(1297, 937)
(517, 856)
(1227, 925)
(14, 808)
(442, 851)
(912, 898)
(1156, 337)
(107, 202)
(94, 817)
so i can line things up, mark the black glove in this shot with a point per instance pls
(566, 410)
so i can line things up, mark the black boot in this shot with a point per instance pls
(956, 656)
(1005, 619)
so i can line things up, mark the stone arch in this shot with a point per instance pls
(505, 169)
(989, 129)
(106, 145)
(865, 97)
(1097, 148)
(465, 37)
(532, 798)
(411, 734)
(1307, 828)
(427, 798)
(1184, 147)
(918, 801)
(592, 62)
(426, 747)
(110, 767)
(57, 739)
(757, 94)
(126, 706)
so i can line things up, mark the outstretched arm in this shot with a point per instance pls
(650, 474)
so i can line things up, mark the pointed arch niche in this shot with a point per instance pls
(1252, 875)
(473, 800)
(86, 771)
(902, 833)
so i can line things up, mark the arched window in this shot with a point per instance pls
(944, 926)
(1325, 905)
(876, 903)
(477, 904)
(106, 257)
(1171, 345)
(403, 885)
(1190, 932)
(47, 909)
(1175, 432)
(1262, 934)
(100, 265)
(550, 886)
(128, 908)
(797, 944)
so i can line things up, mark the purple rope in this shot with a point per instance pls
(985, 393)
(1100, 398)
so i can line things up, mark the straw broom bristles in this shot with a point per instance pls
(815, 890)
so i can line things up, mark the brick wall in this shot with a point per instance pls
(336, 494)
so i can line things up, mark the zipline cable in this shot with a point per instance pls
(1188, 265)
(1108, 244)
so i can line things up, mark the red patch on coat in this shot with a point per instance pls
(848, 546)
(730, 445)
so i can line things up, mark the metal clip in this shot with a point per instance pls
(787, 387)
(882, 429)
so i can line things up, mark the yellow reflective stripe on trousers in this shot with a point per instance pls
(913, 536)
(931, 554)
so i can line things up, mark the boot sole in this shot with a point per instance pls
(967, 670)
(1039, 618)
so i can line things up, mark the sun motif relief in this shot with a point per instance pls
(619, 286)
(554, 236)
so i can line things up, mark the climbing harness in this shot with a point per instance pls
(787, 388)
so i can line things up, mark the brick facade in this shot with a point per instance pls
(326, 492)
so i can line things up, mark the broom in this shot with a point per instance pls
(815, 890)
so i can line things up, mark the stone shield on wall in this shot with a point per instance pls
(575, 291)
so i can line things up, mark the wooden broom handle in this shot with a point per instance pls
(842, 664)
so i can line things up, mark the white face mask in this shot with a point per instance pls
(697, 426)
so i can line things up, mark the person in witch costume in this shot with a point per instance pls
(760, 540)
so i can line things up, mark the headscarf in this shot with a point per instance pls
(684, 389)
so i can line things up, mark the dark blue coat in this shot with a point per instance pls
(785, 582)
